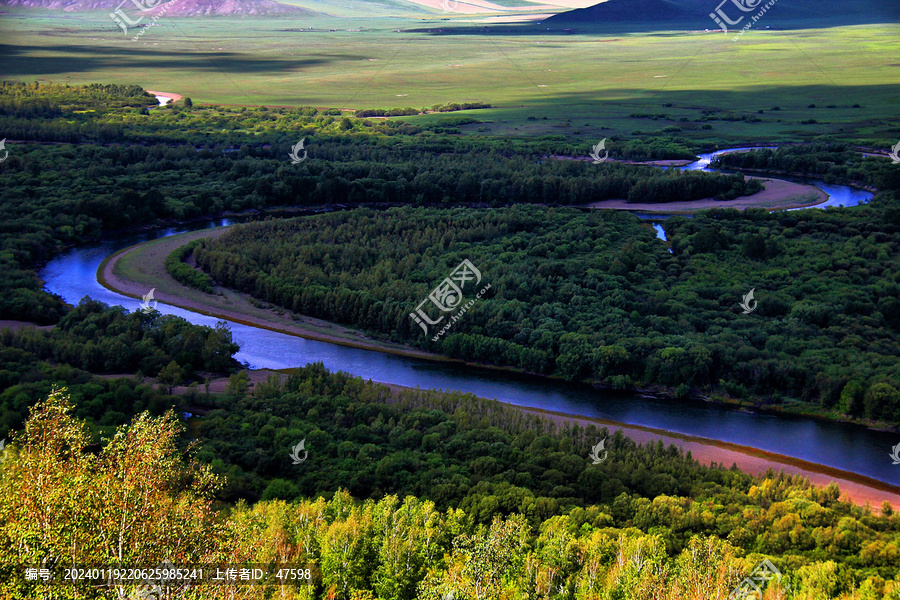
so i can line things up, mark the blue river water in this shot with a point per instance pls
(73, 275)
(838, 195)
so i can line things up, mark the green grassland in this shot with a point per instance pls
(582, 85)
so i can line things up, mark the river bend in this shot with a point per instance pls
(853, 448)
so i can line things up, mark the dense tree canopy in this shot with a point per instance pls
(95, 338)
(414, 494)
(834, 162)
(89, 159)
(596, 296)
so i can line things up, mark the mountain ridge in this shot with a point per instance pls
(171, 8)
(696, 14)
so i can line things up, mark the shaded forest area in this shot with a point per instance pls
(139, 500)
(95, 338)
(830, 161)
(455, 449)
(593, 295)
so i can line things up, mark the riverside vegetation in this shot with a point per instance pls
(98, 160)
(130, 501)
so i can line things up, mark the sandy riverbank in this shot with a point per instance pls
(854, 488)
(17, 325)
(778, 195)
(857, 489)
(172, 96)
(145, 269)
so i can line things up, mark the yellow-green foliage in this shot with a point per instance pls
(137, 500)
(133, 502)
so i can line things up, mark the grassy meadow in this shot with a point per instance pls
(540, 82)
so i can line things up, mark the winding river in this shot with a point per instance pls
(838, 195)
(852, 448)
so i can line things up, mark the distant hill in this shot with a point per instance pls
(631, 11)
(694, 14)
(172, 8)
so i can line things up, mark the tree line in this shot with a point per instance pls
(179, 162)
(835, 162)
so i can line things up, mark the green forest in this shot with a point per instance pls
(410, 494)
(91, 159)
(140, 500)
(95, 338)
(593, 295)
(830, 161)
(458, 450)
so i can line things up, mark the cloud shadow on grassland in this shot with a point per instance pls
(26, 60)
